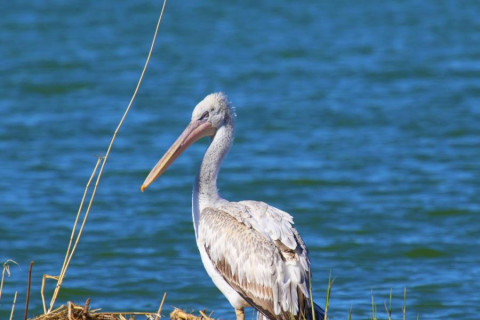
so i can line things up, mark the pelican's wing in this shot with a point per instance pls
(258, 252)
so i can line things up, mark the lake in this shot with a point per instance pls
(361, 119)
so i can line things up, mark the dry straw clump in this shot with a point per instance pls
(178, 314)
(76, 312)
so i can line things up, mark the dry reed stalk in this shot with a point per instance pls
(204, 315)
(42, 290)
(69, 253)
(6, 269)
(159, 312)
(70, 250)
(69, 312)
(178, 314)
(13, 305)
(28, 290)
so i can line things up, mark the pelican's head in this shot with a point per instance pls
(210, 114)
(214, 108)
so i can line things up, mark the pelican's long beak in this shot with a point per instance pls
(195, 130)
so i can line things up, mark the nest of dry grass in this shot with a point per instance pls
(77, 312)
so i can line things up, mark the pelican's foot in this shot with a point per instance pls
(240, 314)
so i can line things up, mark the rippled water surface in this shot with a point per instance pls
(361, 119)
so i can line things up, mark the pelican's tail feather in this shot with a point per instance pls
(319, 314)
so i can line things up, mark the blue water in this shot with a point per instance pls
(361, 119)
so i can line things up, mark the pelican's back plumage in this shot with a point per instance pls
(260, 254)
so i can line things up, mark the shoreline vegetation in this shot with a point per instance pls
(73, 311)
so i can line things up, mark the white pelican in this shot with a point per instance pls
(251, 250)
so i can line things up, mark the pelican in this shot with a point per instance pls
(250, 249)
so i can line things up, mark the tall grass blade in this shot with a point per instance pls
(329, 292)
(389, 308)
(374, 308)
(13, 305)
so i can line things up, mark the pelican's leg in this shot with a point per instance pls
(240, 314)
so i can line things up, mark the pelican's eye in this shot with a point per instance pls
(204, 116)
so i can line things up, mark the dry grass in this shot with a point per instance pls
(6, 270)
(76, 312)
(178, 314)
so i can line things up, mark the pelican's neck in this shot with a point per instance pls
(205, 191)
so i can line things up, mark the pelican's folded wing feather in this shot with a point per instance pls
(258, 252)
